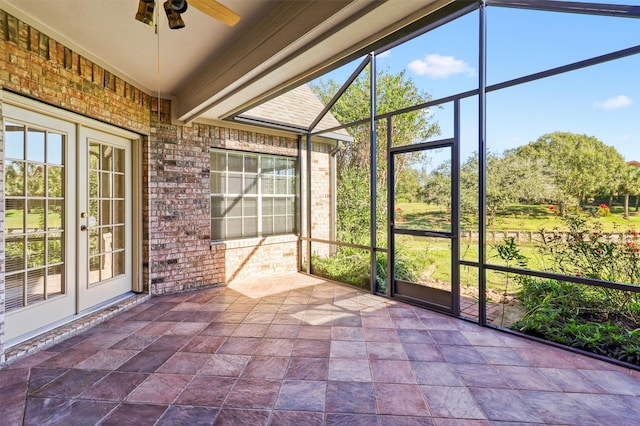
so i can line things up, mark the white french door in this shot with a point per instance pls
(68, 219)
(104, 217)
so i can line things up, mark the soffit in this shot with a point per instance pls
(208, 69)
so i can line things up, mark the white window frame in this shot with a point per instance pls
(233, 216)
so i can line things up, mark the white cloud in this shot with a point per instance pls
(615, 102)
(438, 66)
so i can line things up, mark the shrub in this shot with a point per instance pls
(578, 316)
(351, 266)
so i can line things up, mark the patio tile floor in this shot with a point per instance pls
(296, 350)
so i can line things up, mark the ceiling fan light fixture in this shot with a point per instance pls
(145, 11)
(175, 20)
(179, 6)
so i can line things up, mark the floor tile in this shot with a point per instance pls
(135, 414)
(451, 402)
(204, 344)
(70, 384)
(239, 346)
(114, 386)
(304, 368)
(79, 412)
(504, 405)
(422, 352)
(435, 373)
(606, 409)
(266, 367)
(392, 371)
(614, 382)
(206, 391)
(405, 421)
(160, 389)
(295, 418)
(351, 420)
(108, 359)
(253, 393)
(302, 395)
(184, 363)
(400, 399)
(275, 347)
(388, 335)
(225, 365)
(384, 350)
(345, 349)
(557, 408)
(146, 361)
(349, 370)
(188, 416)
(349, 397)
(311, 348)
(234, 417)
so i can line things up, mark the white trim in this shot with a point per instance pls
(62, 114)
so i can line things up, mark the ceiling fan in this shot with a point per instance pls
(174, 9)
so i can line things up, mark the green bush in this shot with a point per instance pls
(578, 316)
(352, 266)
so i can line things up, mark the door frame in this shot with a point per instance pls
(432, 298)
(27, 105)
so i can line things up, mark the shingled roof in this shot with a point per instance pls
(298, 108)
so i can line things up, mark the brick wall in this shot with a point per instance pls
(177, 251)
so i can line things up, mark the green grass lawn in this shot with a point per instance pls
(14, 219)
(513, 217)
(435, 253)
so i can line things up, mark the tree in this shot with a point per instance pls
(394, 91)
(629, 180)
(510, 179)
(581, 165)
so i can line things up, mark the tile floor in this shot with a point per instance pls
(295, 350)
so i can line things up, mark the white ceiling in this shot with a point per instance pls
(211, 70)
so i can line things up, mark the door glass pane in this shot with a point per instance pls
(107, 157)
(35, 179)
(15, 176)
(118, 211)
(54, 280)
(118, 237)
(423, 190)
(54, 248)
(35, 250)
(14, 251)
(35, 145)
(118, 186)
(35, 215)
(54, 181)
(105, 185)
(14, 141)
(118, 263)
(15, 291)
(119, 161)
(107, 266)
(35, 286)
(54, 149)
(14, 216)
(54, 215)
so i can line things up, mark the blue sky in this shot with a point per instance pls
(601, 101)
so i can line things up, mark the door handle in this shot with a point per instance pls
(83, 227)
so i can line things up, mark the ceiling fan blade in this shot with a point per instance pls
(216, 11)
